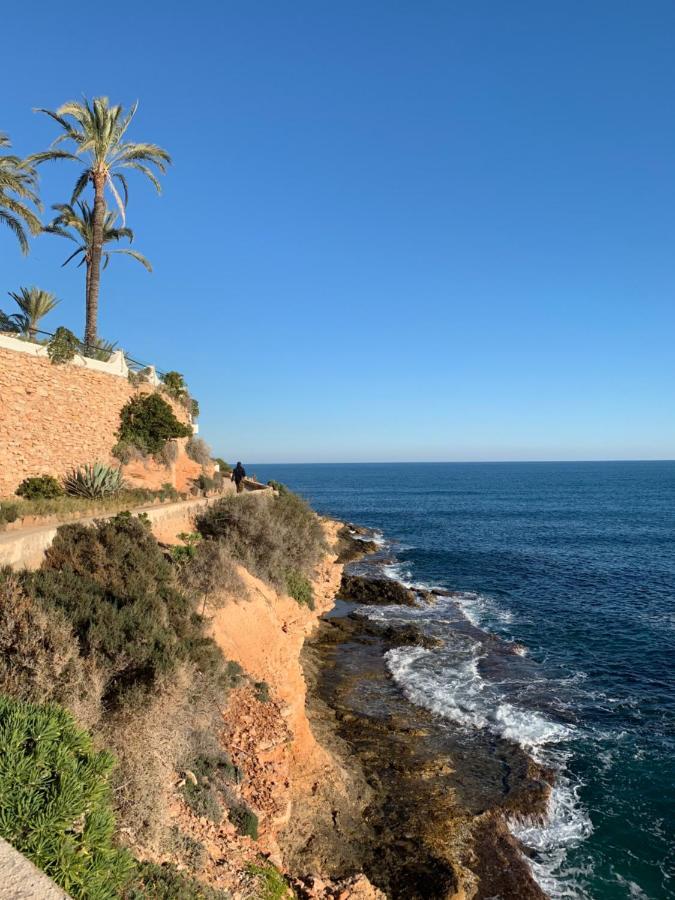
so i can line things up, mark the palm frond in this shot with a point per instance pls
(137, 256)
(16, 228)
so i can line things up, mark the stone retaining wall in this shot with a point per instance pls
(56, 417)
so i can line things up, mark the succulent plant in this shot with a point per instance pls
(94, 481)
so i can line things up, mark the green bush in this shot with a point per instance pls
(224, 467)
(9, 512)
(169, 492)
(262, 691)
(44, 487)
(269, 535)
(175, 385)
(117, 590)
(165, 882)
(94, 482)
(244, 820)
(63, 346)
(55, 800)
(299, 588)
(148, 422)
(270, 882)
(211, 774)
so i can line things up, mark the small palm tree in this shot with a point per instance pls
(77, 224)
(97, 132)
(34, 304)
(18, 183)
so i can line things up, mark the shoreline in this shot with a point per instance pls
(437, 811)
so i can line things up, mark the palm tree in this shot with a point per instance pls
(78, 225)
(34, 304)
(18, 183)
(97, 131)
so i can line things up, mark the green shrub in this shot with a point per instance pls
(207, 782)
(262, 691)
(199, 451)
(270, 882)
(244, 820)
(148, 422)
(9, 512)
(44, 487)
(94, 482)
(299, 588)
(194, 408)
(175, 385)
(116, 588)
(168, 492)
(181, 554)
(205, 483)
(63, 346)
(165, 882)
(270, 536)
(55, 800)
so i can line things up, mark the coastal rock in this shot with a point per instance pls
(375, 591)
(351, 547)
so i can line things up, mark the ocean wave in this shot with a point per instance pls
(566, 825)
(458, 692)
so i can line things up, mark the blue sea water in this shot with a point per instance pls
(576, 562)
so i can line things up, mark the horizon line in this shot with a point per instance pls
(441, 462)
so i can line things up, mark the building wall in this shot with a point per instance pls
(56, 417)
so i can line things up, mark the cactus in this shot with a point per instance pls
(94, 481)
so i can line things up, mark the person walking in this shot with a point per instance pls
(238, 475)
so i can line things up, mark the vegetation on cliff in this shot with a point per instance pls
(107, 634)
(280, 540)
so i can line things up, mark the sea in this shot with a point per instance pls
(573, 564)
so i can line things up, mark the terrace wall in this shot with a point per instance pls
(56, 417)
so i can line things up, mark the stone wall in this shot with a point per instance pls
(56, 417)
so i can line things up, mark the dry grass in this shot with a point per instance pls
(153, 742)
(269, 536)
(211, 574)
(40, 659)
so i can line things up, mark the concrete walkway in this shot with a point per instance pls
(21, 880)
(25, 547)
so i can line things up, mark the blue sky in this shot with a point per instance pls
(392, 231)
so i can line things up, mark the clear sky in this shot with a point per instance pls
(393, 230)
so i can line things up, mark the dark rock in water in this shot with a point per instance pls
(408, 636)
(351, 548)
(375, 591)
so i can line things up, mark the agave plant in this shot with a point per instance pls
(94, 481)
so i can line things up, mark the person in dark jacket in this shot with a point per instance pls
(238, 475)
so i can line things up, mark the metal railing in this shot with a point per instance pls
(91, 352)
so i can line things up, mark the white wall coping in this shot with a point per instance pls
(116, 365)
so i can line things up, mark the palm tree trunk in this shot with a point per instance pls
(94, 277)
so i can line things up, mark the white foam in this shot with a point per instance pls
(462, 695)
(566, 825)
(481, 610)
